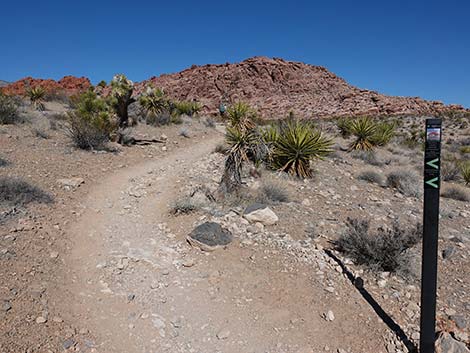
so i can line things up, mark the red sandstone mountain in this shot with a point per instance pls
(274, 87)
(68, 85)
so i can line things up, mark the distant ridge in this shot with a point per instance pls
(273, 86)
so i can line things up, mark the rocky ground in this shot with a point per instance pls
(107, 266)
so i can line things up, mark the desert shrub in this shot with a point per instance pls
(273, 191)
(449, 169)
(405, 182)
(16, 192)
(383, 250)
(183, 205)
(371, 177)
(4, 162)
(344, 126)
(160, 119)
(36, 95)
(189, 108)
(456, 193)
(90, 124)
(364, 130)
(413, 139)
(221, 148)
(41, 133)
(8, 110)
(465, 149)
(176, 119)
(296, 145)
(369, 157)
(184, 132)
(241, 116)
(209, 122)
(102, 84)
(465, 171)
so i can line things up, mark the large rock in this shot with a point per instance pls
(209, 236)
(71, 183)
(260, 213)
(447, 344)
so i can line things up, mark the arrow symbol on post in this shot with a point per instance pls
(433, 163)
(433, 182)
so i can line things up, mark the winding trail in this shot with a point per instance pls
(138, 286)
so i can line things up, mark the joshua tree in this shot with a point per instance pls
(121, 95)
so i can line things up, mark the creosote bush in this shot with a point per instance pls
(17, 192)
(8, 110)
(189, 108)
(382, 250)
(456, 193)
(406, 182)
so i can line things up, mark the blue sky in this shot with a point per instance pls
(409, 48)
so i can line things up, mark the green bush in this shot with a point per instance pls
(384, 133)
(8, 110)
(241, 116)
(297, 144)
(344, 126)
(36, 95)
(364, 130)
(187, 108)
(90, 124)
(465, 171)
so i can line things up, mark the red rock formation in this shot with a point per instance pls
(275, 87)
(68, 85)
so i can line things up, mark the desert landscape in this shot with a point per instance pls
(260, 206)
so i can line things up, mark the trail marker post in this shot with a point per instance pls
(432, 162)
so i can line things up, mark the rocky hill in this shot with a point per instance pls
(3, 83)
(67, 84)
(276, 87)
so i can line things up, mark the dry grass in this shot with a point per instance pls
(16, 192)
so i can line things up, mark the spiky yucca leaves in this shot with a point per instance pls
(364, 130)
(465, 171)
(383, 134)
(344, 126)
(36, 96)
(121, 97)
(241, 143)
(297, 144)
(241, 116)
(154, 101)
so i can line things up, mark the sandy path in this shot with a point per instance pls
(138, 287)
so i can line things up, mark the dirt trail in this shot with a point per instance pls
(138, 287)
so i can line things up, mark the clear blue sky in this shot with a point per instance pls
(412, 48)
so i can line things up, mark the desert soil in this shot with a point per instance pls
(107, 268)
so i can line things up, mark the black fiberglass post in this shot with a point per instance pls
(432, 162)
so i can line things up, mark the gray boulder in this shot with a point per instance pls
(209, 236)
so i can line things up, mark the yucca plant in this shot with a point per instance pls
(364, 130)
(36, 96)
(384, 133)
(241, 145)
(121, 97)
(241, 116)
(465, 171)
(344, 126)
(154, 101)
(297, 144)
